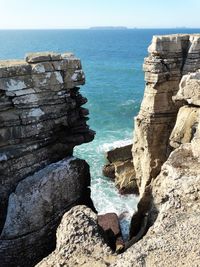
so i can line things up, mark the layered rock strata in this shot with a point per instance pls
(42, 119)
(173, 196)
(170, 57)
(121, 169)
(167, 163)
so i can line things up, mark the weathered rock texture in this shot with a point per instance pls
(41, 121)
(169, 120)
(166, 153)
(121, 169)
(79, 242)
(173, 240)
(170, 57)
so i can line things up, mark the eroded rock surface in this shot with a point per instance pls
(79, 242)
(121, 169)
(173, 240)
(44, 195)
(42, 119)
(170, 57)
(166, 155)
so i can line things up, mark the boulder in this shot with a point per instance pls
(79, 242)
(36, 207)
(110, 230)
(189, 89)
(186, 126)
(119, 153)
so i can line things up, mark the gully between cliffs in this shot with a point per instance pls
(42, 120)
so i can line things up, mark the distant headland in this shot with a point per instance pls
(109, 28)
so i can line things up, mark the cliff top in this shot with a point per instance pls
(35, 57)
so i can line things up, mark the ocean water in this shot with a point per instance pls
(112, 61)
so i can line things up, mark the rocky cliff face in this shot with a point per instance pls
(166, 155)
(169, 121)
(170, 57)
(41, 121)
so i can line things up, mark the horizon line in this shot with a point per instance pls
(103, 27)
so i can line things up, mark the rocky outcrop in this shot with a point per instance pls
(79, 242)
(166, 153)
(173, 238)
(41, 122)
(170, 57)
(121, 169)
(171, 123)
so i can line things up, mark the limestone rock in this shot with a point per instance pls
(189, 89)
(169, 58)
(125, 177)
(109, 170)
(36, 206)
(174, 236)
(42, 56)
(79, 242)
(119, 153)
(186, 126)
(14, 68)
(41, 117)
(121, 169)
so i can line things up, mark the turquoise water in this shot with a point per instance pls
(112, 61)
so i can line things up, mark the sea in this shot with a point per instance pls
(112, 61)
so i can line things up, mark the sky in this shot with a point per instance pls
(59, 14)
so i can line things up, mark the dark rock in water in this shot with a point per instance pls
(110, 229)
(119, 153)
(109, 171)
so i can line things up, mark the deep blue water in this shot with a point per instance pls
(112, 61)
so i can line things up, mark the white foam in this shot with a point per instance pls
(128, 102)
(120, 143)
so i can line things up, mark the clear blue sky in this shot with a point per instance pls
(87, 13)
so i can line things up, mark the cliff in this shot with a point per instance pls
(41, 186)
(166, 157)
(170, 57)
(42, 119)
(166, 154)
